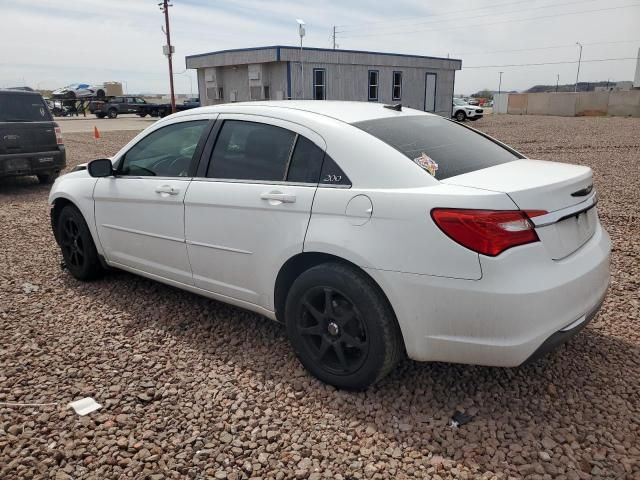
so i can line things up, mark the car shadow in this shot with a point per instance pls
(21, 185)
(565, 395)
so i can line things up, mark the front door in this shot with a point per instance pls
(139, 213)
(430, 92)
(251, 211)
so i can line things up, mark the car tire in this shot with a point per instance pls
(341, 326)
(112, 113)
(47, 178)
(460, 116)
(78, 250)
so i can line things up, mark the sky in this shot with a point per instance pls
(50, 43)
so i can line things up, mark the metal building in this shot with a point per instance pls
(275, 73)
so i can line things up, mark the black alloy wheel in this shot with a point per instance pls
(333, 330)
(72, 245)
(342, 327)
(78, 250)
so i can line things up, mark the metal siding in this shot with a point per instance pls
(351, 82)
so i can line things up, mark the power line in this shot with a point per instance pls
(490, 14)
(359, 26)
(467, 26)
(551, 47)
(551, 63)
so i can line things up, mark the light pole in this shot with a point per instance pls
(301, 32)
(500, 83)
(557, 81)
(168, 50)
(575, 89)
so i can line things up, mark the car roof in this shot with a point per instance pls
(348, 112)
(18, 91)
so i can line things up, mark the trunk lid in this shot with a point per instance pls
(563, 190)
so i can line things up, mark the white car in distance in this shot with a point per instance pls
(371, 232)
(462, 111)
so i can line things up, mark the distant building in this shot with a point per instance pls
(275, 73)
(615, 87)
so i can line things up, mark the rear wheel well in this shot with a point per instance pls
(300, 263)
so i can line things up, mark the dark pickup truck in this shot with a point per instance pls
(113, 106)
(30, 141)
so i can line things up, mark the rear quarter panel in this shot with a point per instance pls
(400, 236)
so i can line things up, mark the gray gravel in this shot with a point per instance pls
(193, 388)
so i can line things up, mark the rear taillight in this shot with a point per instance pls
(489, 232)
(58, 136)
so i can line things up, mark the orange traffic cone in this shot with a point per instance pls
(96, 133)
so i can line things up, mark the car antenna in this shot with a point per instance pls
(397, 107)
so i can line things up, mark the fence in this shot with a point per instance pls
(570, 104)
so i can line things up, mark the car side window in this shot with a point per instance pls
(167, 152)
(306, 162)
(251, 151)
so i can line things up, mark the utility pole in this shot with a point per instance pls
(557, 81)
(575, 89)
(500, 83)
(168, 50)
(334, 37)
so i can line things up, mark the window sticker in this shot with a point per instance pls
(427, 163)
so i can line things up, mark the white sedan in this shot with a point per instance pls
(372, 232)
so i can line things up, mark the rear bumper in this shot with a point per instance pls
(561, 336)
(32, 163)
(522, 300)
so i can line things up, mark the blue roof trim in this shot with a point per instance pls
(279, 47)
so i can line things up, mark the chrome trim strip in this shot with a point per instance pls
(574, 324)
(140, 232)
(219, 247)
(254, 182)
(558, 215)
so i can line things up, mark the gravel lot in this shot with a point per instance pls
(192, 388)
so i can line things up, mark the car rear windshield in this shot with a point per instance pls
(454, 149)
(18, 107)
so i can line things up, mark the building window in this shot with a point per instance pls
(267, 92)
(319, 84)
(373, 85)
(397, 86)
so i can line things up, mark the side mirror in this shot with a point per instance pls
(101, 167)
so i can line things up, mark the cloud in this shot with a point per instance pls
(52, 43)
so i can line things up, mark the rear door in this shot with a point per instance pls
(248, 211)
(139, 213)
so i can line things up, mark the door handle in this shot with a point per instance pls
(167, 189)
(276, 196)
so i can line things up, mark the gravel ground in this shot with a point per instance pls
(192, 388)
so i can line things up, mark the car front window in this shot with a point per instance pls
(167, 152)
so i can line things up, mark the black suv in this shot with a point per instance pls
(30, 141)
